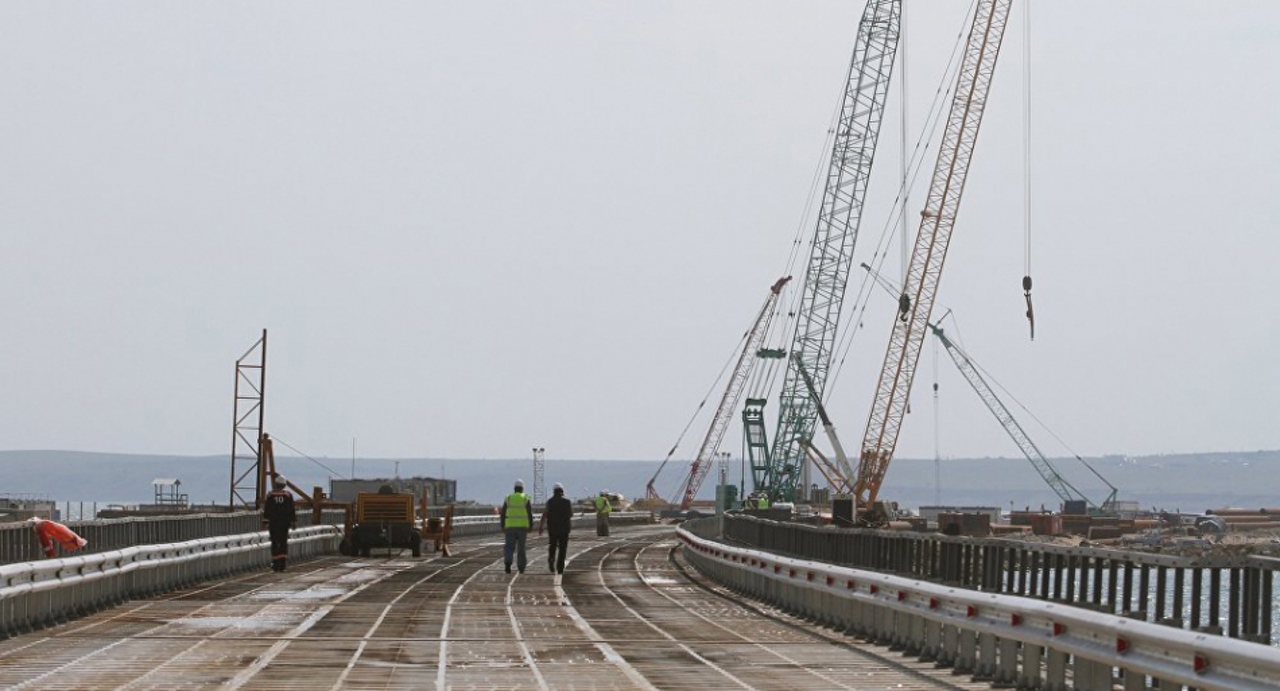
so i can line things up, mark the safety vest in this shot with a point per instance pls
(762, 503)
(517, 504)
(603, 505)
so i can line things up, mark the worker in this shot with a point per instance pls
(762, 502)
(603, 509)
(279, 515)
(53, 532)
(516, 517)
(557, 517)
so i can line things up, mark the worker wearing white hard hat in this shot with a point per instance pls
(516, 516)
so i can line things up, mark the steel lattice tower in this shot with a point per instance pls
(539, 472)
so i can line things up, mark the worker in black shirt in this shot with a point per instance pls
(279, 515)
(557, 516)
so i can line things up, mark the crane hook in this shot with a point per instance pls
(1031, 315)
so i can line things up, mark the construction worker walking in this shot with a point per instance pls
(516, 516)
(557, 516)
(603, 509)
(280, 516)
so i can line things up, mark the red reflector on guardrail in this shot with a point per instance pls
(830, 580)
(1200, 663)
(1015, 619)
(971, 611)
(1059, 629)
(933, 603)
(875, 589)
(850, 585)
(777, 569)
(1122, 645)
(808, 576)
(792, 573)
(902, 596)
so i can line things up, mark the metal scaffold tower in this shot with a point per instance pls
(539, 474)
(778, 472)
(248, 405)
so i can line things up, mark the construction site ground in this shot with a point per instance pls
(629, 613)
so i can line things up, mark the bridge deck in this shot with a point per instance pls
(627, 614)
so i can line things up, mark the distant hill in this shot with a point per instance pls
(1191, 482)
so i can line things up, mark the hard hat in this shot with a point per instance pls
(558, 487)
(279, 482)
(519, 484)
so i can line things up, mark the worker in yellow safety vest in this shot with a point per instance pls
(762, 502)
(603, 508)
(516, 516)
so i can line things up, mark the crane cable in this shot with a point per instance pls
(732, 357)
(1026, 161)
(286, 445)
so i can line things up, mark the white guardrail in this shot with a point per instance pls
(1005, 639)
(35, 594)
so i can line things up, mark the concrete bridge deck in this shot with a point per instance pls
(627, 614)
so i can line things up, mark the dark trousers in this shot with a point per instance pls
(279, 546)
(557, 548)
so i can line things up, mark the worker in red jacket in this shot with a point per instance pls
(51, 532)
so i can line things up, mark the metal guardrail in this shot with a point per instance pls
(1231, 596)
(470, 526)
(18, 542)
(1006, 639)
(41, 593)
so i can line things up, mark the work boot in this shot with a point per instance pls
(551, 566)
(508, 565)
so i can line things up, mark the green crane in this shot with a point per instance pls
(777, 470)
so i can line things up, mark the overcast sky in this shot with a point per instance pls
(473, 228)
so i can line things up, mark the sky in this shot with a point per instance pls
(476, 228)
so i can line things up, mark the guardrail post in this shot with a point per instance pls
(967, 655)
(1091, 676)
(1006, 673)
(1133, 681)
(949, 648)
(986, 667)
(1055, 673)
(1029, 675)
(932, 641)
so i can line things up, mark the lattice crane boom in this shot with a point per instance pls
(778, 472)
(1065, 490)
(754, 340)
(924, 272)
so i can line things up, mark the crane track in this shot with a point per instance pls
(627, 614)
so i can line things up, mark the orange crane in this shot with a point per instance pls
(924, 273)
(701, 465)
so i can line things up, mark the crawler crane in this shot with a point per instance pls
(778, 472)
(924, 271)
(752, 343)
